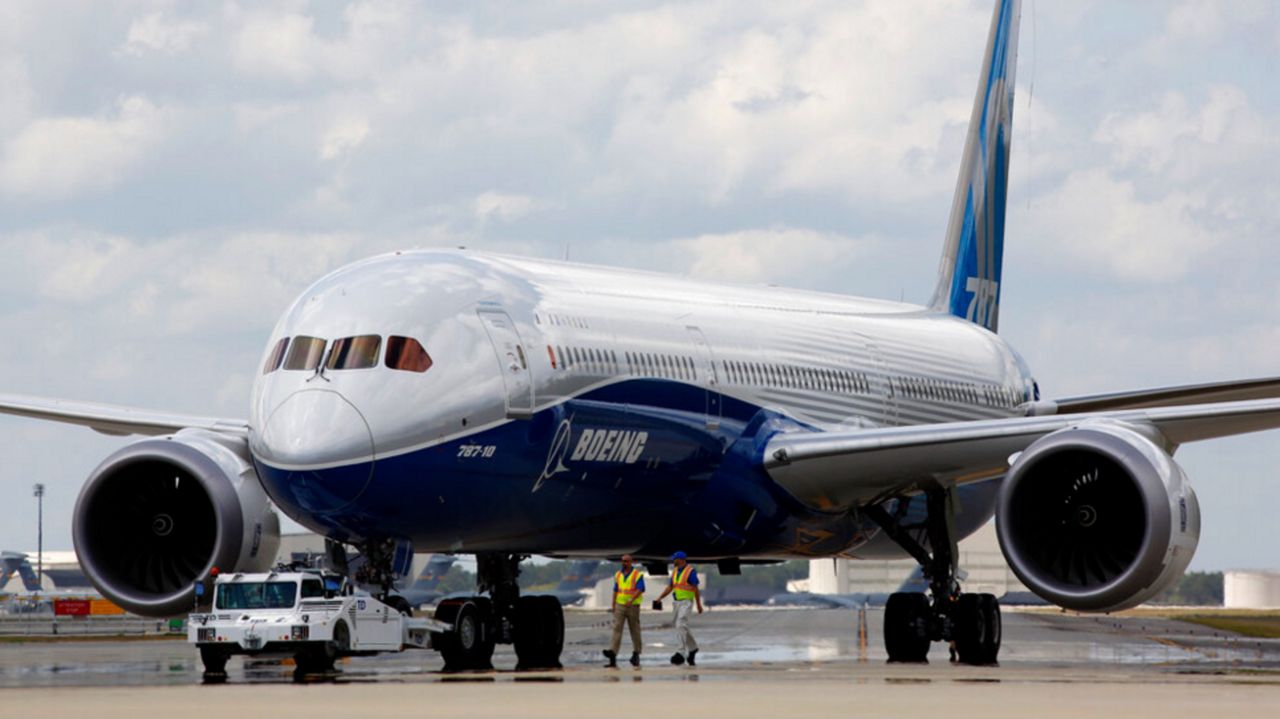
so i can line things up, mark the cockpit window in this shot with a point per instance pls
(304, 353)
(354, 352)
(406, 353)
(276, 357)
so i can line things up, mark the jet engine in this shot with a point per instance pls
(161, 513)
(1097, 518)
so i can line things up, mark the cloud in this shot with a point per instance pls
(278, 45)
(54, 157)
(789, 256)
(1099, 223)
(1182, 142)
(766, 112)
(1204, 21)
(503, 206)
(343, 137)
(177, 285)
(157, 33)
(766, 255)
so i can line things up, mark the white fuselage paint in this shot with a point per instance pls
(825, 360)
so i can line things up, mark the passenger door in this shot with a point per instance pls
(513, 364)
(707, 374)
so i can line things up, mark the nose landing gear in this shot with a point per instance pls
(913, 620)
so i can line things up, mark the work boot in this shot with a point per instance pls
(677, 659)
(612, 657)
(693, 654)
(635, 659)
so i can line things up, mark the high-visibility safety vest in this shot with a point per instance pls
(629, 587)
(680, 583)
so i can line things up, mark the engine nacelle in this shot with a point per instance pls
(160, 513)
(1097, 518)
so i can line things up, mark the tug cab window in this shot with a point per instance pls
(304, 353)
(276, 358)
(354, 352)
(406, 353)
(256, 595)
(312, 588)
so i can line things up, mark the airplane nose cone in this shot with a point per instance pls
(318, 449)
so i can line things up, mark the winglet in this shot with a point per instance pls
(969, 275)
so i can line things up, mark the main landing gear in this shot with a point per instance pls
(913, 620)
(534, 624)
(496, 614)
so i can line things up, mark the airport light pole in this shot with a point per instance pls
(39, 492)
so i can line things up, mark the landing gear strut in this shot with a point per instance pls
(534, 624)
(375, 567)
(912, 620)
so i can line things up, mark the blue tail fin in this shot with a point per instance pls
(434, 571)
(8, 565)
(14, 562)
(969, 277)
(915, 582)
(580, 575)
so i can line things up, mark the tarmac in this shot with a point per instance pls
(754, 662)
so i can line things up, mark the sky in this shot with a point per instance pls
(173, 174)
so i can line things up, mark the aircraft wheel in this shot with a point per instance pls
(470, 644)
(906, 627)
(976, 619)
(539, 632)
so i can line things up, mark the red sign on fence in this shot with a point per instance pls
(71, 607)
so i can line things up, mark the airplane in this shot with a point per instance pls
(17, 563)
(32, 598)
(915, 582)
(577, 580)
(423, 590)
(64, 578)
(464, 402)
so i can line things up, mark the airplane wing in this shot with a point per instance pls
(1236, 391)
(840, 469)
(115, 420)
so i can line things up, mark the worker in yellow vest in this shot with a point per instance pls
(628, 593)
(684, 583)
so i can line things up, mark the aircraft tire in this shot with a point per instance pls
(977, 628)
(989, 609)
(906, 627)
(470, 645)
(539, 632)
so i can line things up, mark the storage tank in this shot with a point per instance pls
(1251, 590)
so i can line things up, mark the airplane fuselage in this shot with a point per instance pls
(571, 409)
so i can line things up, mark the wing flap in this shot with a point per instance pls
(113, 419)
(832, 470)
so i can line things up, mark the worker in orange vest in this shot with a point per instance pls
(684, 583)
(628, 593)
